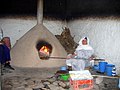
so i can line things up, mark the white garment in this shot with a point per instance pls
(77, 65)
(84, 47)
(81, 60)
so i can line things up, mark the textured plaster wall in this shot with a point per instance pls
(16, 28)
(104, 34)
(104, 37)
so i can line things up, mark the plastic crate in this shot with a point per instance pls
(81, 84)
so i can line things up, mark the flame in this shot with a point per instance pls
(44, 50)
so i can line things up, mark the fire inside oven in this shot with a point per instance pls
(44, 49)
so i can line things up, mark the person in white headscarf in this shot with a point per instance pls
(82, 55)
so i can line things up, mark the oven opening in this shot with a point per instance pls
(44, 49)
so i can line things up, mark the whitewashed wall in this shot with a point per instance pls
(104, 35)
(16, 28)
(55, 26)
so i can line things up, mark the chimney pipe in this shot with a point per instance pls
(40, 12)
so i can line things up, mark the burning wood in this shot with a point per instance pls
(44, 52)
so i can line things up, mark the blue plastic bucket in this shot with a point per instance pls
(102, 66)
(109, 68)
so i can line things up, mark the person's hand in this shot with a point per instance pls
(92, 57)
(69, 56)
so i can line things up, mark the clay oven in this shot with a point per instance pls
(25, 52)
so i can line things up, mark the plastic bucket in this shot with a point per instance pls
(102, 66)
(109, 68)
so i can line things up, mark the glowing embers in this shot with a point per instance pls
(44, 49)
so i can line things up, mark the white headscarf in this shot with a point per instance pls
(84, 47)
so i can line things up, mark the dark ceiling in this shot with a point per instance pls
(63, 9)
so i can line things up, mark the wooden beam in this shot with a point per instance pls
(106, 76)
